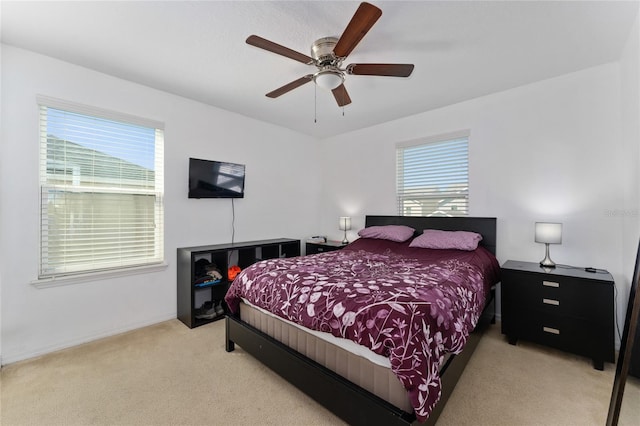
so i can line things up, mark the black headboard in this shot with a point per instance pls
(485, 226)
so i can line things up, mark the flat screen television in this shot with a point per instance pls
(215, 179)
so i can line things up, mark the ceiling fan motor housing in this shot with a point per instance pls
(322, 52)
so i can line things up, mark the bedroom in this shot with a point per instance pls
(563, 148)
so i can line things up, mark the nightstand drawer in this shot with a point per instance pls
(314, 248)
(564, 333)
(556, 295)
(319, 249)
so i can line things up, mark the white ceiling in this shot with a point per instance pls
(197, 49)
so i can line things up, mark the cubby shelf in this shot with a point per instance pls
(191, 295)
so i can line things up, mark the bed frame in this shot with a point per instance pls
(346, 400)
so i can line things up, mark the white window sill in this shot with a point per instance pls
(95, 276)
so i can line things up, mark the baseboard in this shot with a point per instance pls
(6, 360)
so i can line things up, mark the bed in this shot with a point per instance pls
(410, 312)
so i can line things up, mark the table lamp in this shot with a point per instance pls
(345, 225)
(548, 233)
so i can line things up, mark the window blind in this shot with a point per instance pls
(101, 192)
(433, 178)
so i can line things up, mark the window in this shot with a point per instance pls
(101, 190)
(433, 176)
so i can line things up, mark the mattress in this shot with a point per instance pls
(373, 377)
(345, 344)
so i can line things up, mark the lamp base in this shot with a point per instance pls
(547, 262)
(344, 240)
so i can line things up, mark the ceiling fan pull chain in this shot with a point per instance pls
(315, 103)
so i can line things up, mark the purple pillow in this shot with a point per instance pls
(437, 239)
(397, 233)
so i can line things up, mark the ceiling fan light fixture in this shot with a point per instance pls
(328, 79)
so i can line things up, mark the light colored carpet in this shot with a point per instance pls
(167, 374)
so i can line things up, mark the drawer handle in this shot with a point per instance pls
(550, 284)
(550, 330)
(551, 302)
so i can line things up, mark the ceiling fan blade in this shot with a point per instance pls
(265, 44)
(290, 86)
(341, 95)
(387, 70)
(362, 21)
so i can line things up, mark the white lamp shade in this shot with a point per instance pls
(328, 79)
(345, 223)
(550, 233)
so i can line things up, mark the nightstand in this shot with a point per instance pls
(319, 247)
(564, 307)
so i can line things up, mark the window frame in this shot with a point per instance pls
(401, 197)
(46, 279)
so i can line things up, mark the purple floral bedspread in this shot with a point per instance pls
(411, 308)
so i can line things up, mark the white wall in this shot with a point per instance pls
(549, 151)
(629, 213)
(280, 201)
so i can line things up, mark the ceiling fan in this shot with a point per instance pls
(328, 53)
